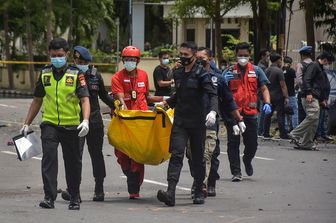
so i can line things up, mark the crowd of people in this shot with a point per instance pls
(243, 95)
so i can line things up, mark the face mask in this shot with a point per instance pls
(84, 68)
(326, 67)
(58, 62)
(202, 62)
(242, 61)
(185, 61)
(165, 61)
(130, 65)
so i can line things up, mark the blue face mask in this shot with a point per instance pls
(130, 65)
(83, 68)
(58, 62)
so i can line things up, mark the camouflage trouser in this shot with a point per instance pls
(210, 145)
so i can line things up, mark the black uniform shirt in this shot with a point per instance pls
(290, 80)
(161, 74)
(188, 100)
(96, 87)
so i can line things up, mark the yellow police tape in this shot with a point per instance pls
(45, 63)
(142, 135)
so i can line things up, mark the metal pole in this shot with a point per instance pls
(130, 21)
(118, 42)
(211, 35)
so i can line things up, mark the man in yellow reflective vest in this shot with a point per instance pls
(62, 90)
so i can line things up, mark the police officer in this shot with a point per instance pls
(95, 137)
(61, 88)
(190, 120)
(228, 106)
(244, 80)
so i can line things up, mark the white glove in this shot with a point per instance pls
(165, 98)
(84, 126)
(236, 130)
(210, 119)
(242, 126)
(24, 130)
(160, 104)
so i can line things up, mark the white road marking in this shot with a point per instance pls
(8, 106)
(257, 157)
(145, 180)
(161, 184)
(15, 154)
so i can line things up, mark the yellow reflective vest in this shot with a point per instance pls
(61, 104)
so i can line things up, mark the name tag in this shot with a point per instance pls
(251, 74)
(127, 81)
(141, 84)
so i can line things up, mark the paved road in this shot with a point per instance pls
(288, 186)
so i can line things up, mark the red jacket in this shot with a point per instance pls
(245, 89)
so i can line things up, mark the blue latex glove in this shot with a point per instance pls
(228, 76)
(267, 109)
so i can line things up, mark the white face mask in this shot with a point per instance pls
(326, 67)
(165, 61)
(130, 65)
(243, 61)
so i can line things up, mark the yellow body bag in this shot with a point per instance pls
(142, 135)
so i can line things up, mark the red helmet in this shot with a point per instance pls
(130, 51)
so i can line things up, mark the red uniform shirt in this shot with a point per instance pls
(123, 83)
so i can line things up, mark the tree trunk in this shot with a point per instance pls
(255, 31)
(7, 50)
(49, 22)
(309, 17)
(218, 32)
(264, 25)
(30, 46)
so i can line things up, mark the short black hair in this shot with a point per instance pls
(163, 53)
(190, 45)
(243, 46)
(207, 50)
(59, 43)
(274, 57)
(263, 52)
(288, 59)
(326, 55)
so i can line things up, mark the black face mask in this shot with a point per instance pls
(201, 62)
(185, 61)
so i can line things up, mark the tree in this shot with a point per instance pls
(213, 9)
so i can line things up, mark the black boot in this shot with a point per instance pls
(99, 191)
(167, 197)
(212, 191)
(199, 196)
(47, 203)
(74, 203)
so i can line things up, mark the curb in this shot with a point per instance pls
(15, 93)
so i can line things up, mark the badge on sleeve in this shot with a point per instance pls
(82, 81)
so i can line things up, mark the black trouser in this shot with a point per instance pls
(178, 141)
(278, 106)
(250, 139)
(94, 141)
(301, 112)
(51, 136)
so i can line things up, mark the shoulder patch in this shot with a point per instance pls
(82, 80)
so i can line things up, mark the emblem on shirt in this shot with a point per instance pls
(46, 80)
(214, 80)
(69, 81)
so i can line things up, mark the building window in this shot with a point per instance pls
(229, 20)
(190, 35)
(236, 20)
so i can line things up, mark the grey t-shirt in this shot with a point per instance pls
(275, 75)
